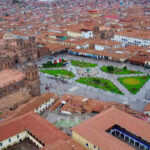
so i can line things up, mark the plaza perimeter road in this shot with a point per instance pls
(136, 101)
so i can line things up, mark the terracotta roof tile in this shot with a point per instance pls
(94, 129)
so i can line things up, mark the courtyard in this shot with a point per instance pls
(25, 145)
(67, 123)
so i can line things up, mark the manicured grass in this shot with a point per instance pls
(82, 64)
(62, 73)
(67, 123)
(119, 71)
(133, 84)
(99, 83)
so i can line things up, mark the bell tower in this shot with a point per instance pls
(32, 81)
(96, 31)
(31, 40)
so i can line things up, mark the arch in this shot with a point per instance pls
(32, 74)
(20, 141)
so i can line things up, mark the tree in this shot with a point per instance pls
(97, 81)
(125, 68)
(110, 68)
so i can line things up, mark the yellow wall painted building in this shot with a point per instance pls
(73, 34)
(84, 142)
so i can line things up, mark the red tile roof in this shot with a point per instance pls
(94, 129)
(46, 132)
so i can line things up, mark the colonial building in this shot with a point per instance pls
(78, 31)
(42, 134)
(103, 32)
(6, 62)
(37, 104)
(22, 49)
(113, 130)
(131, 37)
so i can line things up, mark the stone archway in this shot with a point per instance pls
(16, 59)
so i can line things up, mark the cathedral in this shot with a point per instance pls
(14, 81)
(15, 50)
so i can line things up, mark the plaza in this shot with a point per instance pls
(136, 101)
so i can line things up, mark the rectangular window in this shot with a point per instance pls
(18, 136)
(1, 144)
(9, 140)
(87, 144)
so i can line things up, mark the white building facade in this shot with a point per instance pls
(44, 106)
(19, 138)
(26, 134)
(147, 113)
(86, 35)
(131, 40)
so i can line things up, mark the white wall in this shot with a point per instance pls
(132, 40)
(147, 63)
(15, 139)
(34, 141)
(73, 34)
(44, 106)
(147, 112)
(85, 46)
(99, 47)
(87, 35)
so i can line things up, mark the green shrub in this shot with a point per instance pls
(110, 68)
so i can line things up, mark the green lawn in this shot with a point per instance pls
(133, 84)
(82, 64)
(119, 71)
(60, 72)
(99, 83)
(67, 123)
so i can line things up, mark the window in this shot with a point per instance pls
(94, 146)
(18, 136)
(1, 144)
(9, 140)
(87, 144)
(98, 148)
